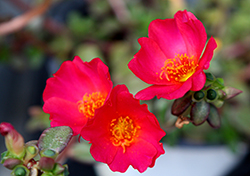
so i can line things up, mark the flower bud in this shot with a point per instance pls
(211, 95)
(31, 152)
(49, 153)
(46, 163)
(20, 171)
(13, 140)
(197, 96)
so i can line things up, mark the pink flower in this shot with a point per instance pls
(124, 133)
(74, 93)
(171, 57)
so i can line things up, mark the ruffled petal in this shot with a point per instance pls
(160, 151)
(65, 113)
(208, 54)
(139, 155)
(192, 31)
(168, 92)
(103, 150)
(167, 35)
(97, 70)
(147, 63)
(71, 83)
(68, 83)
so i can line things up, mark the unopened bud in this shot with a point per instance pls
(13, 140)
(31, 152)
(46, 164)
(211, 94)
(20, 171)
(199, 95)
(49, 153)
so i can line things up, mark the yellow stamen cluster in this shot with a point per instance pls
(123, 131)
(89, 103)
(179, 69)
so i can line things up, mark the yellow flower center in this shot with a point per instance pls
(123, 132)
(179, 69)
(89, 103)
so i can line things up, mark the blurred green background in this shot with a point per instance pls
(109, 29)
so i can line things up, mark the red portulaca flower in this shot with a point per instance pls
(171, 57)
(124, 133)
(74, 93)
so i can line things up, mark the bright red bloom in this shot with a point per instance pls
(124, 133)
(170, 58)
(74, 93)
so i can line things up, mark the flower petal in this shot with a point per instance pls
(198, 81)
(208, 54)
(167, 35)
(71, 83)
(192, 31)
(103, 150)
(139, 156)
(68, 83)
(96, 68)
(169, 91)
(64, 113)
(147, 63)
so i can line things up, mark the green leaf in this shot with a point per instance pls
(56, 138)
(199, 112)
(180, 105)
(210, 77)
(213, 117)
(4, 156)
(219, 83)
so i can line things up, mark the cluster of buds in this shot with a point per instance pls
(35, 158)
(200, 106)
